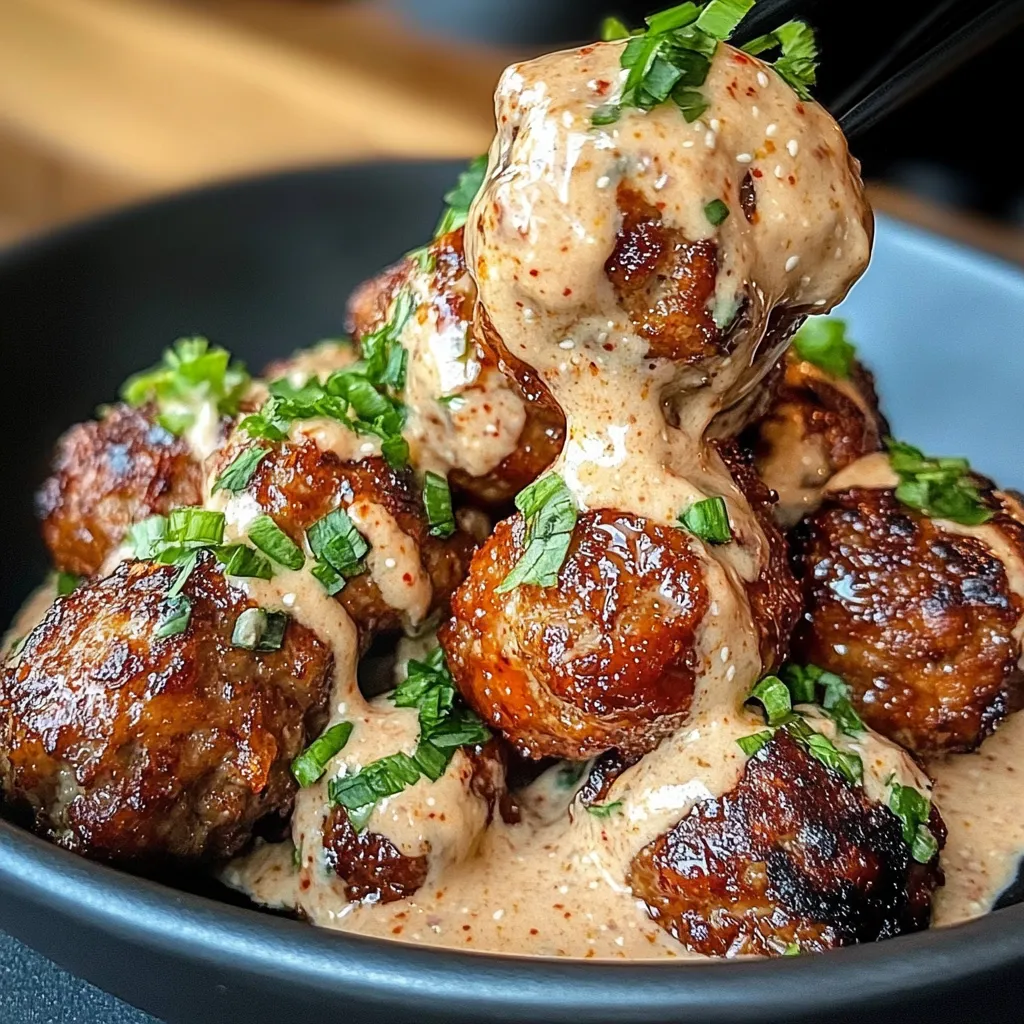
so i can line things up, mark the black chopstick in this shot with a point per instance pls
(967, 41)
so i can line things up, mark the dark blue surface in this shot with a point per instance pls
(265, 266)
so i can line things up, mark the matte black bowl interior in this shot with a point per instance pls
(264, 266)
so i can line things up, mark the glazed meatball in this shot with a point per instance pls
(108, 474)
(145, 749)
(792, 859)
(298, 483)
(664, 282)
(816, 425)
(486, 393)
(918, 620)
(604, 659)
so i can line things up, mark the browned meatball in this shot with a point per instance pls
(141, 749)
(299, 483)
(792, 859)
(918, 621)
(665, 282)
(816, 425)
(370, 865)
(107, 475)
(453, 298)
(605, 658)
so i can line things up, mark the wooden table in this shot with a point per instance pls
(107, 101)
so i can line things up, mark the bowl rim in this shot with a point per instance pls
(245, 941)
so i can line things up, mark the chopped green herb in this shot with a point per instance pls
(259, 630)
(186, 565)
(750, 745)
(797, 63)
(66, 583)
(550, 512)
(452, 402)
(848, 765)
(773, 694)
(913, 810)
(242, 561)
(709, 520)
(822, 340)
(275, 543)
(720, 18)
(604, 810)
(195, 527)
(792, 949)
(175, 617)
(236, 476)
(147, 537)
(332, 582)
(613, 28)
(192, 373)
(941, 488)
(377, 780)
(334, 540)
(570, 773)
(437, 500)
(804, 682)
(716, 212)
(460, 198)
(311, 764)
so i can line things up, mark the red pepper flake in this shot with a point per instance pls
(791, 180)
(800, 109)
(608, 347)
(534, 272)
(397, 930)
(741, 58)
(601, 86)
(533, 931)
(757, 172)
(407, 578)
(567, 292)
(467, 927)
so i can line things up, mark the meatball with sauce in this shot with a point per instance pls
(409, 572)
(921, 617)
(793, 859)
(107, 475)
(133, 736)
(818, 423)
(474, 411)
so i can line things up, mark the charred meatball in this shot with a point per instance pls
(298, 483)
(462, 387)
(792, 859)
(107, 475)
(604, 659)
(920, 621)
(816, 425)
(134, 736)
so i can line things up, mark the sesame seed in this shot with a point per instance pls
(716, 125)
(710, 140)
(820, 302)
(498, 915)
(755, 111)
(792, 263)
(805, 280)
(793, 147)
(762, 80)
(688, 144)
(567, 343)
(604, 181)
(779, 172)
(839, 254)
(771, 129)
(389, 563)
(661, 182)
(743, 158)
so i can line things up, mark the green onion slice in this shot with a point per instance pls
(311, 764)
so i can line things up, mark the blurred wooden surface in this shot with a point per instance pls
(107, 101)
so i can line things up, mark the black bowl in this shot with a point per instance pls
(261, 267)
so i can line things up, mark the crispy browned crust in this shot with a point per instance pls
(299, 483)
(808, 402)
(918, 621)
(453, 299)
(603, 773)
(107, 475)
(605, 658)
(370, 865)
(144, 751)
(775, 598)
(664, 281)
(792, 854)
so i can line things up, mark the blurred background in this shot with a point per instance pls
(104, 102)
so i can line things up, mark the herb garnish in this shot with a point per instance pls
(175, 618)
(671, 57)
(823, 341)
(604, 810)
(716, 212)
(550, 512)
(256, 629)
(709, 520)
(805, 682)
(445, 724)
(437, 500)
(913, 810)
(941, 488)
(67, 582)
(235, 477)
(339, 549)
(191, 374)
(461, 196)
(275, 543)
(311, 764)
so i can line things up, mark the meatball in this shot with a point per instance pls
(462, 388)
(792, 859)
(919, 620)
(664, 282)
(145, 749)
(604, 659)
(107, 475)
(298, 483)
(817, 425)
